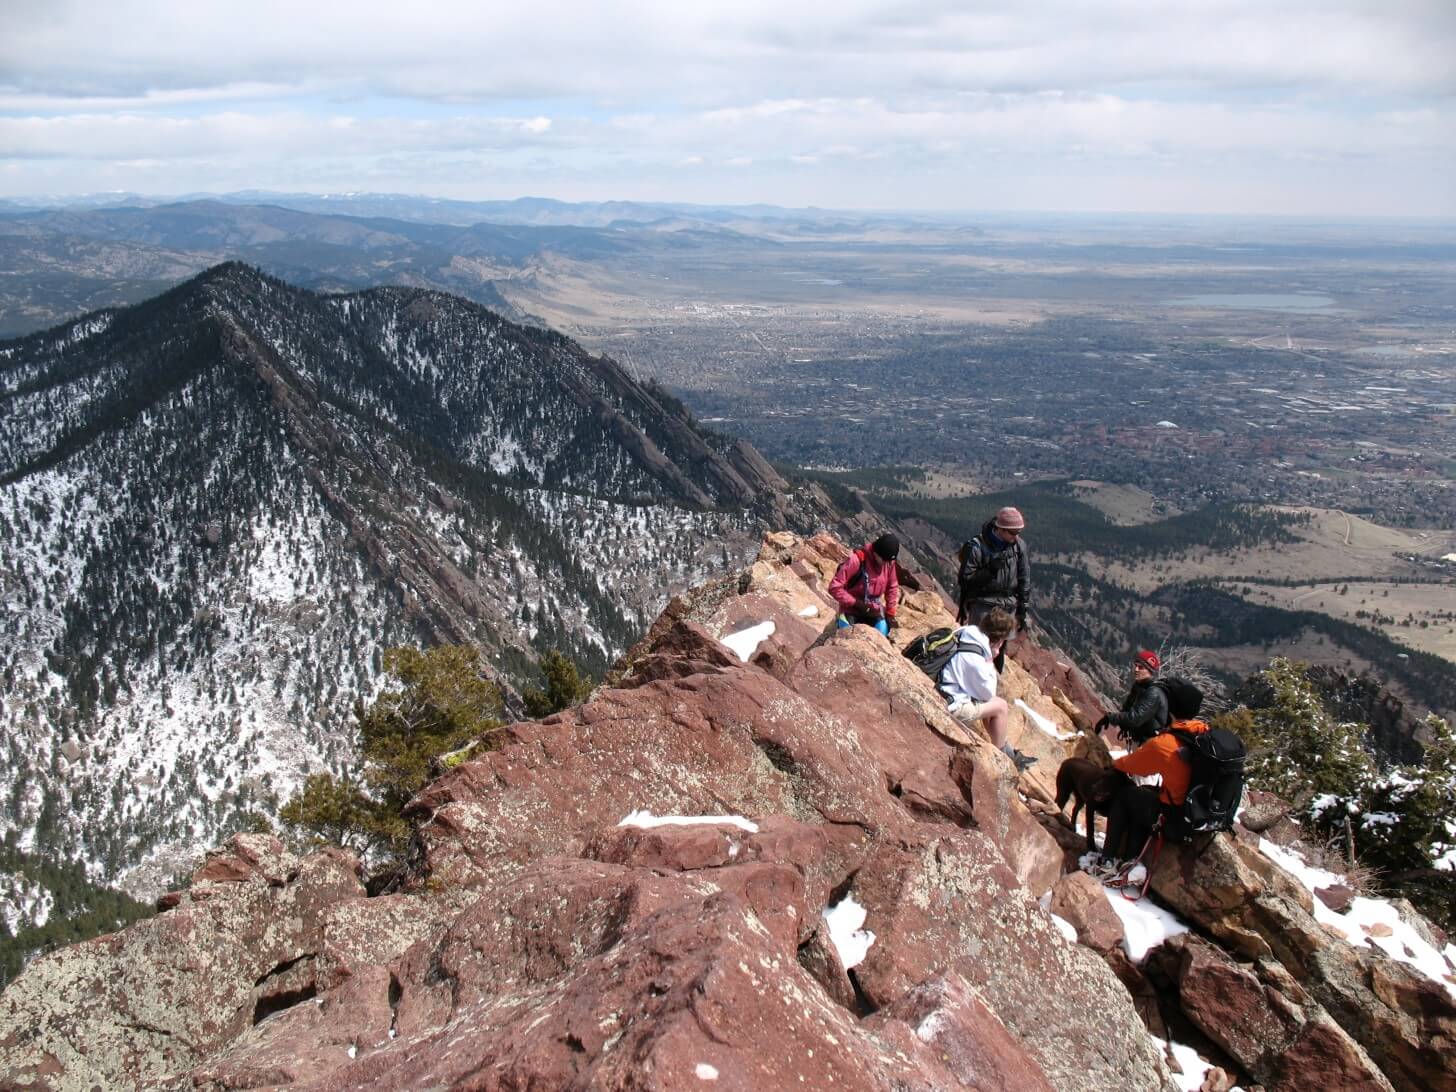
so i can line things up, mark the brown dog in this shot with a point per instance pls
(1088, 785)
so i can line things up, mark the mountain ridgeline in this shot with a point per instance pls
(219, 506)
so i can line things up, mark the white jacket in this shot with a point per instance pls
(969, 676)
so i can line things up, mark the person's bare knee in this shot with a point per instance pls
(995, 718)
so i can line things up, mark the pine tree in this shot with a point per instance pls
(1407, 826)
(1296, 749)
(1400, 820)
(566, 685)
(442, 704)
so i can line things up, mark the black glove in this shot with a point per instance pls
(1102, 724)
(1021, 621)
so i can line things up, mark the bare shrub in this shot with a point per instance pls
(1191, 663)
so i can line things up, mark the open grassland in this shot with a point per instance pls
(1420, 615)
(1341, 565)
(1332, 546)
(1124, 505)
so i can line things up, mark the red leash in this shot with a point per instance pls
(1155, 839)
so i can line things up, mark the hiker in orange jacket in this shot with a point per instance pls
(1135, 809)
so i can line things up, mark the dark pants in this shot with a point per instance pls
(1130, 819)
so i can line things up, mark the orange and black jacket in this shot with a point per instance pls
(1163, 755)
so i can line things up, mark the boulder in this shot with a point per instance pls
(244, 857)
(1283, 1041)
(593, 975)
(167, 992)
(1405, 1022)
(948, 904)
(1078, 899)
(736, 741)
(950, 1016)
(937, 767)
(1059, 679)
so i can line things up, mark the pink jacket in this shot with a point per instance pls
(879, 584)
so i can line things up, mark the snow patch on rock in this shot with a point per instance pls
(1399, 940)
(1145, 924)
(1043, 723)
(647, 820)
(746, 641)
(846, 930)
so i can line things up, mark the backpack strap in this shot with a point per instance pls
(964, 645)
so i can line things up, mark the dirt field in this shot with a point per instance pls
(597, 302)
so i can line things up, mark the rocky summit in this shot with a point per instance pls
(761, 856)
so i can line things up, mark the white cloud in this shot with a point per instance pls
(748, 93)
(726, 49)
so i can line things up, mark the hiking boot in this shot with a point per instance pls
(1105, 870)
(1023, 762)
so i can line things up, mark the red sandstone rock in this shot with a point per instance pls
(168, 992)
(950, 1016)
(1078, 899)
(1053, 671)
(541, 945)
(247, 856)
(947, 904)
(1403, 1021)
(1337, 896)
(1280, 1041)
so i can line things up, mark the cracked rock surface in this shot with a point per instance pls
(539, 944)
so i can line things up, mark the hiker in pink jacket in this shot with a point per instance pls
(866, 585)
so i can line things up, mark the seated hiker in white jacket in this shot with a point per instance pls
(969, 680)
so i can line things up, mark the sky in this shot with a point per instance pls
(1331, 108)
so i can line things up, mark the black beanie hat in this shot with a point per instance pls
(887, 546)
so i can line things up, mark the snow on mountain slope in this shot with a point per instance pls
(218, 507)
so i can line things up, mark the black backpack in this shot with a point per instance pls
(1217, 783)
(932, 651)
(1184, 699)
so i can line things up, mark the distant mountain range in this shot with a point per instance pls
(217, 508)
(66, 258)
(437, 210)
(61, 262)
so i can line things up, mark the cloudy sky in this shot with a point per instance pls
(1324, 107)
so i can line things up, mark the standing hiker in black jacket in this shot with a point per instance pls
(995, 572)
(1144, 711)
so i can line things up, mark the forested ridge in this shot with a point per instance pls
(219, 507)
